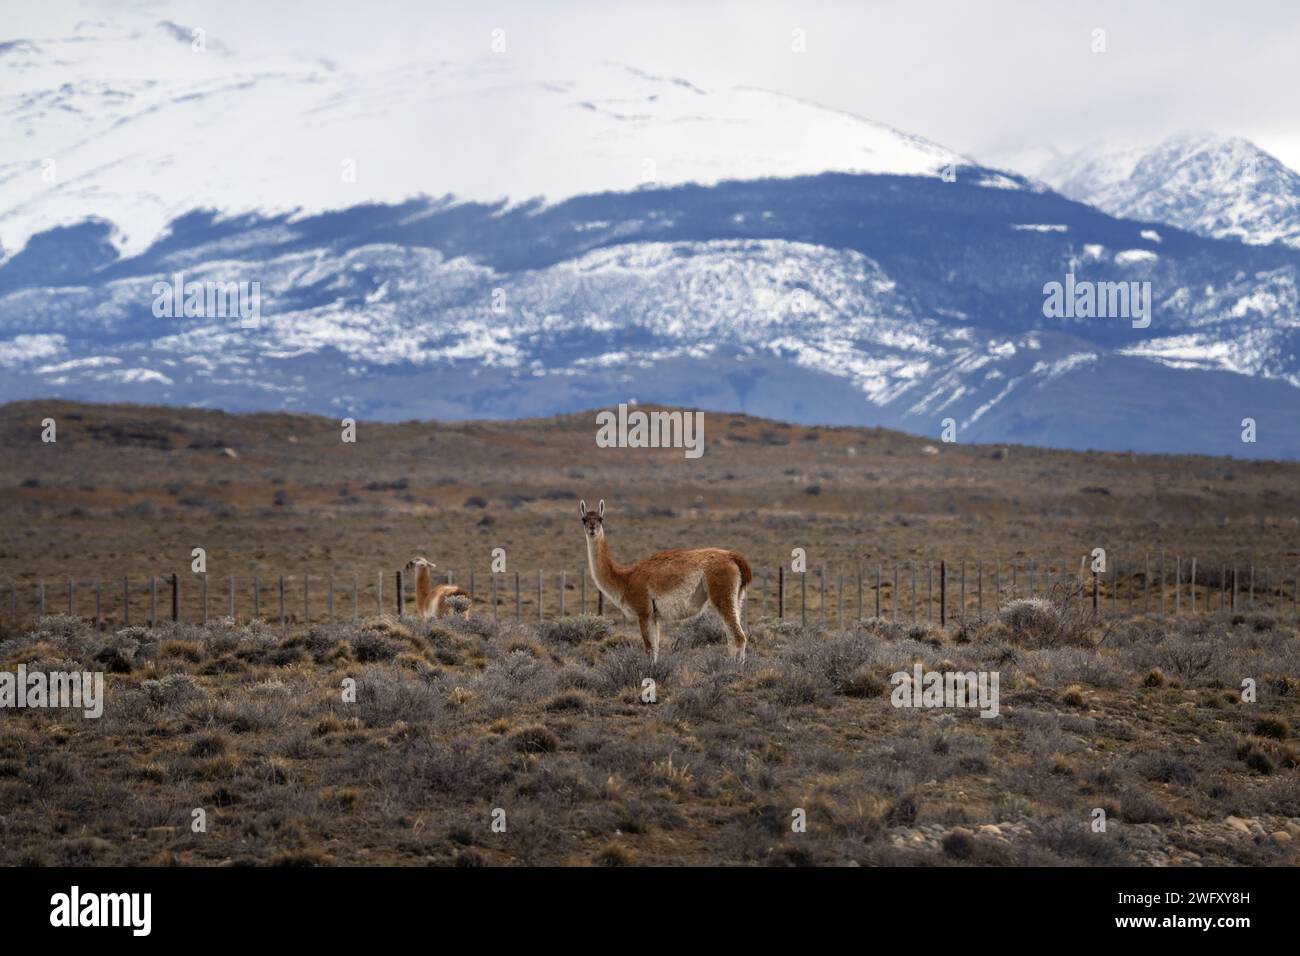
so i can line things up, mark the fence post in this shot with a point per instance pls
(1234, 589)
(306, 596)
(943, 593)
(72, 587)
(997, 583)
(98, 616)
(176, 598)
(284, 622)
(1096, 592)
(204, 591)
(355, 588)
(471, 578)
(839, 598)
(329, 612)
(780, 592)
(379, 595)
(41, 591)
(539, 595)
(126, 602)
(929, 591)
(494, 597)
(911, 565)
(153, 601)
(1178, 584)
(979, 588)
(860, 608)
(1252, 585)
(962, 609)
(803, 597)
(1146, 584)
(232, 597)
(878, 578)
(401, 596)
(821, 592)
(257, 598)
(518, 605)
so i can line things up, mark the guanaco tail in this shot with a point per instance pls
(669, 585)
(431, 600)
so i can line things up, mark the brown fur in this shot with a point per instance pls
(431, 599)
(669, 585)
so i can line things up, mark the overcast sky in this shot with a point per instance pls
(996, 80)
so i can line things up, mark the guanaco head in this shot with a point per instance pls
(593, 522)
(415, 563)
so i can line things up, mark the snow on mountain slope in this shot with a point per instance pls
(124, 121)
(1223, 187)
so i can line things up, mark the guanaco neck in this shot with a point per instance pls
(609, 576)
(423, 590)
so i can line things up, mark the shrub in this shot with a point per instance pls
(581, 629)
(534, 739)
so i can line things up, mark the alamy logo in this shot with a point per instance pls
(1085, 299)
(638, 429)
(208, 299)
(103, 909)
(75, 690)
(923, 688)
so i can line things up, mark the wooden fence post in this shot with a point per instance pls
(1234, 589)
(979, 588)
(72, 589)
(1146, 583)
(494, 597)
(401, 595)
(860, 608)
(1178, 584)
(997, 584)
(232, 597)
(962, 609)
(518, 605)
(203, 590)
(929, 591)
(803, 597)
(379, 595)
(306, 596)
(99, 617)
(780, 592)
(257, 598)
(821, 592)
(153, 601)
(839, 599)
(176, 598)
(539, 595)
(911, 565)
(284, 621)
(126, 602)
(878, 578)
(893, 595)
(329, 604)
(471, 577)
(943, 593)
(40, 589)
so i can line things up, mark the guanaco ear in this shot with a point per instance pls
(582, 508)
(601, 507)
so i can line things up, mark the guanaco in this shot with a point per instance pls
(431, 599)
(669, 585)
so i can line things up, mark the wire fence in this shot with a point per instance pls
(932, 591)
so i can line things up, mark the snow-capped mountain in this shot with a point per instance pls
(130, 124)
(517, 245)
(1225, 187)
